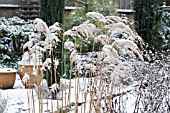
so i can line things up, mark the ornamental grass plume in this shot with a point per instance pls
(127, 47)
(95, 16)
(110, 51)
(25, 58)
(91, 67)
(36, 48)
(29, 44)
(40, 52)
(69, 45)
(75, 57)
(113, 19)
(126, 29)
(84, 30)
(104, 39)
(40, 26)
(55, 28)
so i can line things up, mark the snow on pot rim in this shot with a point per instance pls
(7, 70)
(30, 64)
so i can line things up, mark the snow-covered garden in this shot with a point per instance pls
(107, 67)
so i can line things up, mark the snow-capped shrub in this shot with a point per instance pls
(13, 34)
(165, 31)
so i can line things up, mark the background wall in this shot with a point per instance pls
(7, 11)
(124, 4)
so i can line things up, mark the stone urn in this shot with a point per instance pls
(7, 78)
(33, 78)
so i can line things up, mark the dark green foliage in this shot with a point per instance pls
(78, 16)
(14, 32)
(166, 30)
(52, 11)
(75, 18)
(148, 21)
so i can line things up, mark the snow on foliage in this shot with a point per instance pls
(36, 46)
(104, 39)
(110, 51)
(14, 32)
(25, 78)
(83, 31)
(40, 26)
(113, 47)
(127, 47)
(95, 16)
(69, 45)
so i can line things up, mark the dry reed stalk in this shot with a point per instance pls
(69, 93)
(62, 88)
(77, 93)
(91, 98)
(33, 101)
(85, 96)
(56, 83)
(75, 96)
(39, 94)
(91, 91)
(65, 93)
(48, 92)
(101, 76)
(52, 110)
(28, 101)
(99, 101)
(79, 70)
(85, 93)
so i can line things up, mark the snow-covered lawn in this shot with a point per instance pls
(21, 100)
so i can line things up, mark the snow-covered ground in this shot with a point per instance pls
(21, 100)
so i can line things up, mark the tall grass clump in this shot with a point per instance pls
(100, 50)
(99, 56)
(103, 55)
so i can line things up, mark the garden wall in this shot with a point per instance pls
(124, 4)
(8, 8)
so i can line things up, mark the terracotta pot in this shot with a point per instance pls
(34, 79)
(7, 78)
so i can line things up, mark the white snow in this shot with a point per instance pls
(7, 70)
(21, 100)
